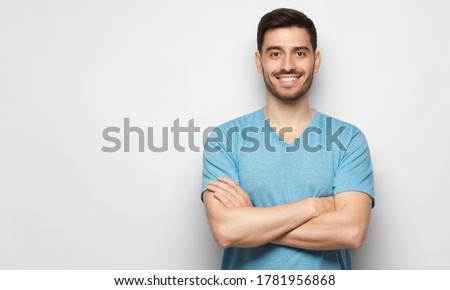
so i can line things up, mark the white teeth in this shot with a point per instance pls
(288, 79)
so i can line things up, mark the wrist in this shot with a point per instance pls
(314, 207)
(309, 206)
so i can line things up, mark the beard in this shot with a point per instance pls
(293, 96)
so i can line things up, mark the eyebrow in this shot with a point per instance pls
(296, 48)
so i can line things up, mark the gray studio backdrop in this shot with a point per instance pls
(70, 69)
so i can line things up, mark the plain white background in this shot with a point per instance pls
(70, 69)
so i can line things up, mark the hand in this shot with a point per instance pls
(229, 193)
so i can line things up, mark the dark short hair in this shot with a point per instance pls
(285, 17)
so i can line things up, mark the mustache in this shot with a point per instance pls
(283, 72)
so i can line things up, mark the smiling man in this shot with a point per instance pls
(287, 187)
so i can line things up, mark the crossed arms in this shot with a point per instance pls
(322, 223)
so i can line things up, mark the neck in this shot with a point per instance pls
(288, 113)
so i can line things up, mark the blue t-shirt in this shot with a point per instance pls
(331, 156)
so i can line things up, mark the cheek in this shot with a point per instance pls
(267, 76)
(306, 64)
(312, 66)
(270, 66)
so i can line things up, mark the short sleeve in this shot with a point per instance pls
(217, 159)
(354, 172)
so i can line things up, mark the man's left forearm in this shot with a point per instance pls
(344, 228)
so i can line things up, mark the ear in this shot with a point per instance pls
(317, 61)
(258, 62)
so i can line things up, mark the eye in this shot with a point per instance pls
(275, 54)
(300, 53)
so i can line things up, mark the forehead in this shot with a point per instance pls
(286, 37)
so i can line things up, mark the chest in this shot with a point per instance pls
(272, 178)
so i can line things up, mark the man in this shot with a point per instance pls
(287, 187)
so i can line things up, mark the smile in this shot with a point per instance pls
(287, 82)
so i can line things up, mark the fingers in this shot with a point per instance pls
(225, 186)
(237, 189)
(229, 192)
(225, 197)
(226, 194)
(233, 184)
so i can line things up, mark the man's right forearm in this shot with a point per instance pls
(254, 226)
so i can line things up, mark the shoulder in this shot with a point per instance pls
(334, 126)
(250, 119)
(228, 134)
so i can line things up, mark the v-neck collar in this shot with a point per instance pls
(278, 138)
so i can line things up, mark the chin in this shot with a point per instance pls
(289, 97)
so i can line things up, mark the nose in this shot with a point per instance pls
(288, 63)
